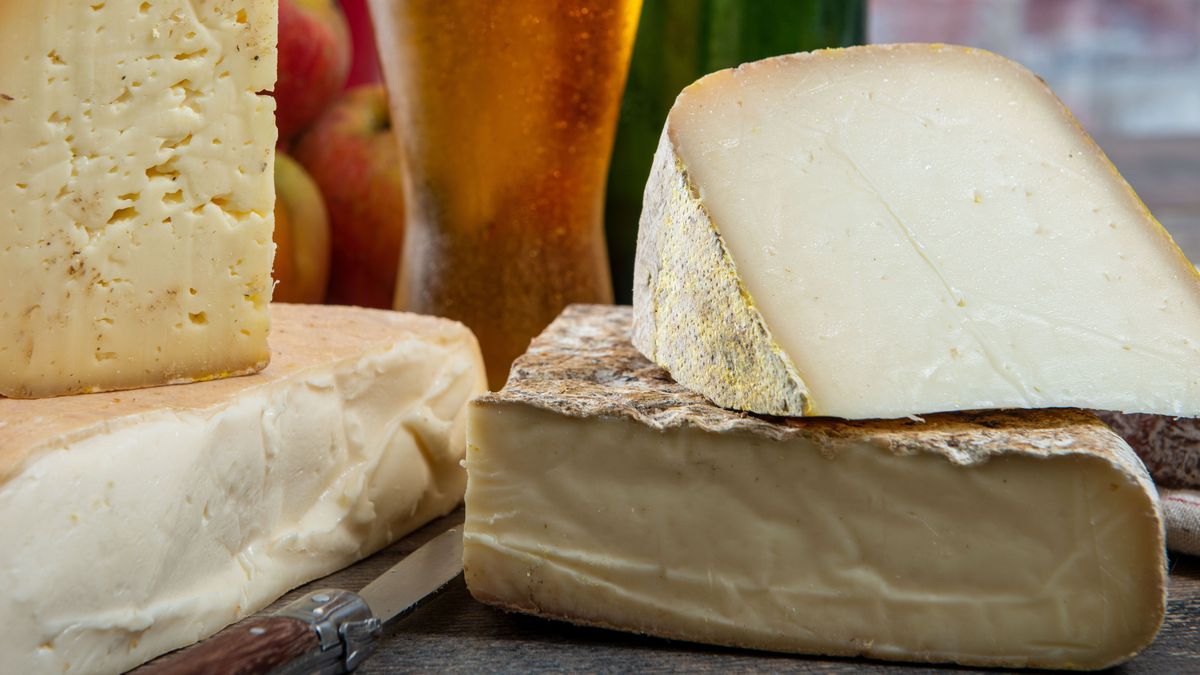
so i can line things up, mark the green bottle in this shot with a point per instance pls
(678, 41)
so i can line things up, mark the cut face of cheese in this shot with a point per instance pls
(890, 230)
(603, 493)
(138, 522)
(136, 192)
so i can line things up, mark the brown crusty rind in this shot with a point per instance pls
(584, 365)
(691, 313)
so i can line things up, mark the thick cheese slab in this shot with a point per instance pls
(136, 192)
(603, 493)
(138, 522)
(890, 230)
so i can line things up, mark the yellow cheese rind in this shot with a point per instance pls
(138, 522)
(603, 493)
(917, 228)
(688, 299)
(136, 192)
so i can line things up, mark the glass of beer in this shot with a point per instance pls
(506, 113)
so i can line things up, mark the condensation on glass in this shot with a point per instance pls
(506, 113)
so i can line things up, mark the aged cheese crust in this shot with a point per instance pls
(554, 375)
(688, 301)
(583, 367)
(136, 178)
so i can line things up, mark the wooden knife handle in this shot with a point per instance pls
(254, 646)
(326, 631)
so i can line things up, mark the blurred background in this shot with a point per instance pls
(1128, 69)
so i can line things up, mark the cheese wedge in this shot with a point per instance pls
(602, 493)
(881, 231)
(136, 192)
(138, 522)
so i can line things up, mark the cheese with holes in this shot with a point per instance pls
(136, 192)
(138, 522)
(881, 231)
(603, 493)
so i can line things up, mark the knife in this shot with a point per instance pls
(327, 631)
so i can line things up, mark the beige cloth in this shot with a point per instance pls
(1182, 511)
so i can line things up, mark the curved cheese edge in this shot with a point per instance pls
(707, 315)
(151, 531)
(604, 493)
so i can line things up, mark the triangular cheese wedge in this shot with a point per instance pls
(901, 229)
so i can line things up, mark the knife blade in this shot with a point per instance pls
(327, 631)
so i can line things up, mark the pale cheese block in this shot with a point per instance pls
(603, 493)
(136, 192)
(138, 522)
(889, 230)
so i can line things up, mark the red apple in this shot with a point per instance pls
(353, 154)
(301, 235)
(314, 61)
(364, 67)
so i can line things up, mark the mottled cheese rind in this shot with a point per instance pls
(136, 192)
(138, 522)
(603, 493)
(675, 306)
(888, 230)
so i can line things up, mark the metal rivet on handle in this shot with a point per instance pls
(257, 630)
(320, 598)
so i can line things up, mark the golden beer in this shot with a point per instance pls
(506, 111)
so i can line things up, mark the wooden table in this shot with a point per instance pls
(453, 633)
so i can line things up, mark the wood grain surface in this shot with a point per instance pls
(454, 633)
(256, 645)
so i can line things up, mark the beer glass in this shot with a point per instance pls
(506, 112)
